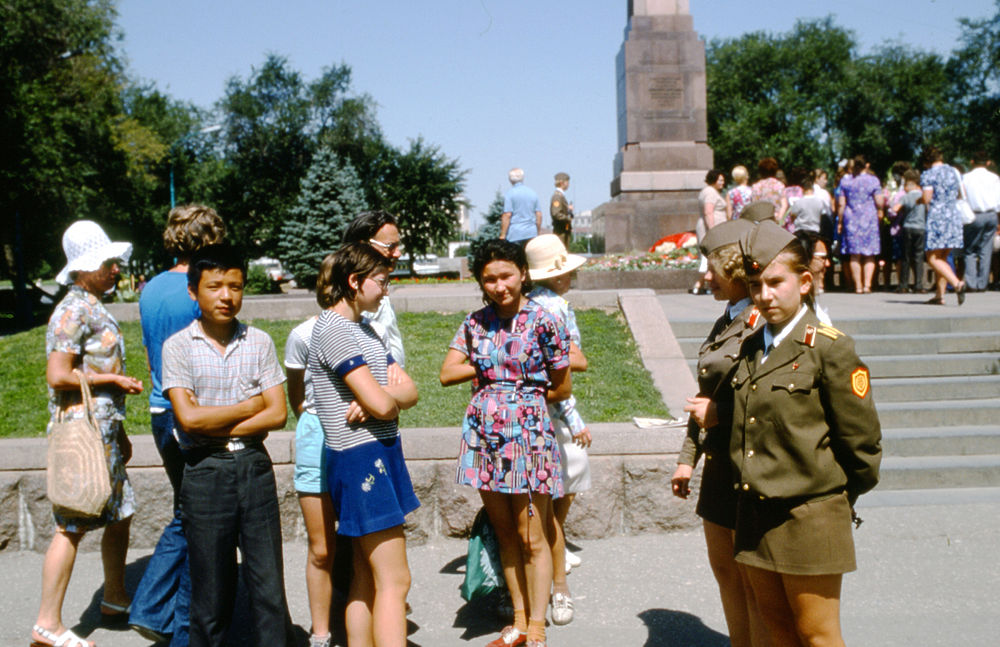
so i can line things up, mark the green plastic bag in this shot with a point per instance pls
(483, 570)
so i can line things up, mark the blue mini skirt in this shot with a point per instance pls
(370, 487)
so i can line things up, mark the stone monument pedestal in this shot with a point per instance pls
(662, 128)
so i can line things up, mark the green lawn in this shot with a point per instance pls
(615, 388)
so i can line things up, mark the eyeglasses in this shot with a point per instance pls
(382, 283)
(389, 247)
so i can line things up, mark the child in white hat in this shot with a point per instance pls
(551, 269)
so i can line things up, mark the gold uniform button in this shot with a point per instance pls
(792, 385)
(752, 420)
(704, 371)
(761, 497)
(735, 381)
(749, 453)
(736, 486)
(753, 387)
(746, 486)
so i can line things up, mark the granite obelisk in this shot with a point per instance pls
(663, 153)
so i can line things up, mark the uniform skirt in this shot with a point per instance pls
(795, 537)
(716, 497)
(370, 487)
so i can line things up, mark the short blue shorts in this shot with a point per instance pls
(370, 487)
(310, 459)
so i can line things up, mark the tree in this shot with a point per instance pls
(894, 102)
(778, 95)
(490, 229)
(330, 198)
(974, 116)
(67, 149)
(274, 121)
(421, 188)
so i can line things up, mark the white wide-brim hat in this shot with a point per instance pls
(547, 258)
(87, 247)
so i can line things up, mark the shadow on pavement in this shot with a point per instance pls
(679, 629)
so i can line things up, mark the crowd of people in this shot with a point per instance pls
(784, 417)
(863, 224)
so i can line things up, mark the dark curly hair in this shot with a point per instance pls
(500, 250)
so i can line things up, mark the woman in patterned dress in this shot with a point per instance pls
(861, 200)
(944, 224)
(517, 357)
(768, 186)
(83, 335)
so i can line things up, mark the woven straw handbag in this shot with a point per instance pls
(77, 472)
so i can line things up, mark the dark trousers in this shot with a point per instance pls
(163, 596)
(229, 500)
(564, 230)
(913, 257)
(979, 249)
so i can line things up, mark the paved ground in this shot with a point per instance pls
(927, 576)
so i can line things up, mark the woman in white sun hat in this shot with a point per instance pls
(551, 269)
(83, 335)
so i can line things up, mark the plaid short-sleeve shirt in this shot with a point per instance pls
(248, 367)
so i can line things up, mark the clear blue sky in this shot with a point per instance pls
(495, 83)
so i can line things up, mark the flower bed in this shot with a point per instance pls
(684, 258)
(669, 271)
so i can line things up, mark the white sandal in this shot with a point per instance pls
(66, 639)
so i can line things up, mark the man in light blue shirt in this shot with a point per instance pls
(522, 212)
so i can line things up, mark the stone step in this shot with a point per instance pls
(960, 440)
(917, 389)
(933, 472)
(928, 365)
(924, 366)
(940, 413)
(870, 326)
(897, 344)
(936, 496)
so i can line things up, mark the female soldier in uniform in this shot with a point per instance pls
(710, 423)
(805, 445)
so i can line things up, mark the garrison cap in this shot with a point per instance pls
(758, 211)
(562, 177)
(725, 233)
(762, 244)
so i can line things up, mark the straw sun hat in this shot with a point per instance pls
(547, 258)
(87, 247)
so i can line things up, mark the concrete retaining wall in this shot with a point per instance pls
(631, 471)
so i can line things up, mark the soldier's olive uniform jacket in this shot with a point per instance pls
(560, 213)
(804, 422)
(717, 360)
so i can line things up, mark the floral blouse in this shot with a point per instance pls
(81, 325)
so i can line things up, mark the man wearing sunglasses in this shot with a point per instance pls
(378, 229)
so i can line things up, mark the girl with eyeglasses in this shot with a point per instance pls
(359, 390)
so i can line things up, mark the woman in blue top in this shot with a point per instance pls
(517, 356)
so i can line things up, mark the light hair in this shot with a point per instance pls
(728, 261)
(191, 227)
(515, 175)
(740, 174)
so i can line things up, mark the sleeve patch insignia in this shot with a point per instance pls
(860, 383)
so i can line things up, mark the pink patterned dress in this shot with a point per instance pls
(508, 444)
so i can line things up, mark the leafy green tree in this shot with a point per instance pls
(974, 118)
(421, 188)
(331, 196)
(490, 229)
(274, 122)
(892, 103)
(777, 95)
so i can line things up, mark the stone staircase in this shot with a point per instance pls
(936, 383)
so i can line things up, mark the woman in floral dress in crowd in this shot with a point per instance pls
(941, 187)
(861, 200)
(768, 186)
(83, 335)
(517, 356)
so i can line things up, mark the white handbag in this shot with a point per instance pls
(964, 210)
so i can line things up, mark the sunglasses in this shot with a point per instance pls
(389, 247)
